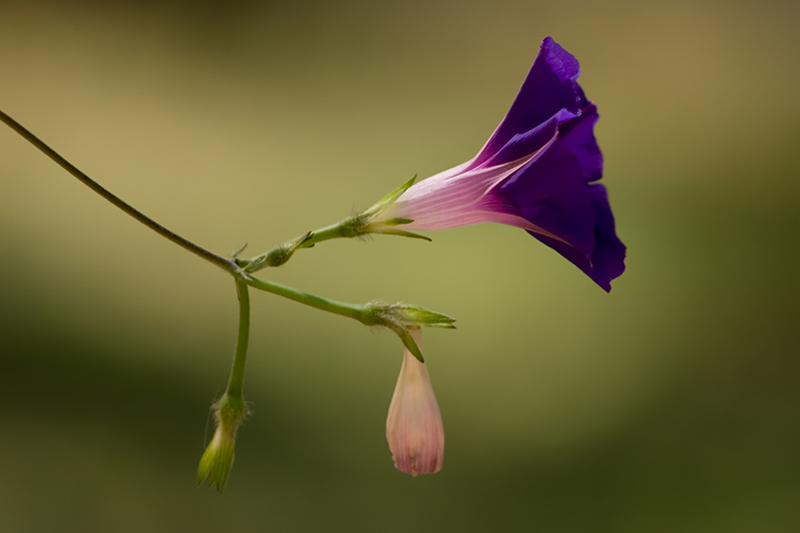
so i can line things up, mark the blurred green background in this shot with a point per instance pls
(671, 404)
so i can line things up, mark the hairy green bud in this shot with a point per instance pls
(217, 461)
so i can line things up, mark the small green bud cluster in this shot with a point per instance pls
(280, 254)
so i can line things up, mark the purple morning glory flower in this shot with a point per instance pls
(538, 171)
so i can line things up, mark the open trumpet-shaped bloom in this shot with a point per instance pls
(414, 425)
(537, 171)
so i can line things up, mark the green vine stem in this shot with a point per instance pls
(236, 380)
(395, 317)
(361, 312)
(222, 262)
(349, 228)
(231, 409)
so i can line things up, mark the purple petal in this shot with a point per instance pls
(608, 256)
(607, 260)
(526, 144)
(577, 135)
(550, 193)
(549, 88)
(574, 256)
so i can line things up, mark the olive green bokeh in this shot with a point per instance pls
(671, 404)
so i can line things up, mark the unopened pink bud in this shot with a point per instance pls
(414, 426)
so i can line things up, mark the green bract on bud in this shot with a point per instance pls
(400, 317)
(217, 461)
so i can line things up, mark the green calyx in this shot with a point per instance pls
(217, 461)
(399, 317)
(389, 227)
(384, 203)
(415, 315)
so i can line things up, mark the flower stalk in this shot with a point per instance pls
(397, 317)
(231, 409)
(352, 227)
(236, 380)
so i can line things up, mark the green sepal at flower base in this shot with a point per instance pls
(383, 204)
(217, 461)
(399, 317)
(388, 227)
